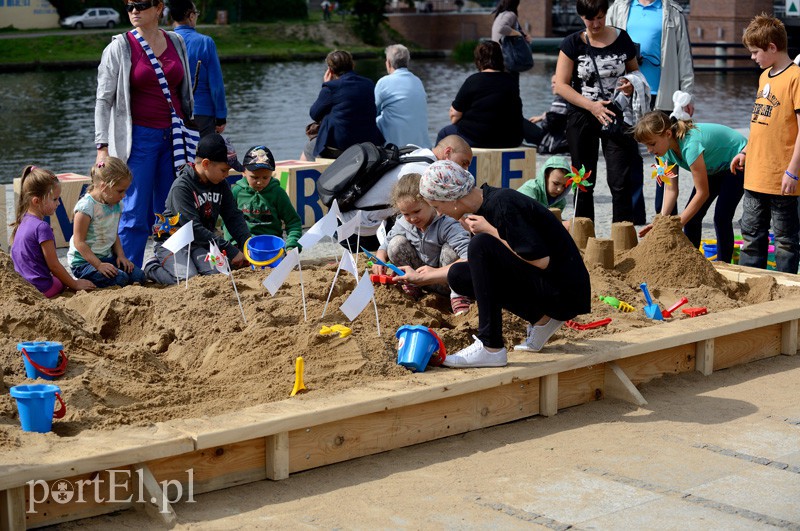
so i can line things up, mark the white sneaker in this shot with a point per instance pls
(476, 355)
(537, 336)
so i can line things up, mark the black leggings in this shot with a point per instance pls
(622, 155)
(728, 190)
(498, 279)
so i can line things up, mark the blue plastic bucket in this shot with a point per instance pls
(41, 359)
(416, 346)
(709, 250)
(36, 406)
(264, 250)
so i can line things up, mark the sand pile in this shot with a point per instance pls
(140, 355)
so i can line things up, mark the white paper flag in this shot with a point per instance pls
(324, 227)
(348, 228)
(381, 234)
(180, 239)
(217, 259)
(278, 276)
(359, 299)
(348, 264)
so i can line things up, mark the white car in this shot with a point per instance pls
(93, 17)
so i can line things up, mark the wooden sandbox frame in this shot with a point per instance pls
(273, 440)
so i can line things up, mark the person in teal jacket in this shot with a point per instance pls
(549, 187)
(265, 205)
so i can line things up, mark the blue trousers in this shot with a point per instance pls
(151, 165)
(88, 272)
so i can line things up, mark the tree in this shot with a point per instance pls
(369, 16)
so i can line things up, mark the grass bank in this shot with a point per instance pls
(273, 41)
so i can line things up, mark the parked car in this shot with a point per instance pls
(93, 17)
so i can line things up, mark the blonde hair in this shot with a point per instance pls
(110, 172)
(656, 123)
(763, 30)
(407, 188)
(36, 182)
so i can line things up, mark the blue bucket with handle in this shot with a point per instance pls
(36, 405)
(416, 347)
(43, 359)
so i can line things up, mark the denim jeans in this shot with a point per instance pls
(168, 268)
(88, 272)
(758, 209)
(153, 173)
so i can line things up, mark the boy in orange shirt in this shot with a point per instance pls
(771, 158)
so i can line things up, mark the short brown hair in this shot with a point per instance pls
(488, 54)
(340, 62)
(763, 30)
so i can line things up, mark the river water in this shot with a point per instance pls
(48, 117)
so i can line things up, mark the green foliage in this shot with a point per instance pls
(464, 52)
(369, 16)
(254, 10)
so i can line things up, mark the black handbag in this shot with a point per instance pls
(517, 55)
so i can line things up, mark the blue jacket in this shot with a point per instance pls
(345, 109)
(209, 95)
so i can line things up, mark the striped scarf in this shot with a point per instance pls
(184, 140)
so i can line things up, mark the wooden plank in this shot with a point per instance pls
(93, 494)
(741, 274)
(645, 367)
(12, 509)
(704, 357)
(619, 386)
(789, 338)
(154, 501)
(119, 448)
(580, 386)
(396, 428)
(745, 347)
(548, 395)
(214, 468)
(277, 456)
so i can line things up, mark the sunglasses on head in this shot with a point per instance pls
(139, 6)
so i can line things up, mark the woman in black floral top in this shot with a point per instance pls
(588, 96)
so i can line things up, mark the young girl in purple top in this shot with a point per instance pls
(33, 247)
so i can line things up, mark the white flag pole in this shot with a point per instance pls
(188, 259)
(302, 291)
(377, 321)
(330, 292)
(236, 291)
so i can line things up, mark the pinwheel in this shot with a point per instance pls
(166, 225)
(662, 172)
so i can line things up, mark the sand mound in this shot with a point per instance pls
(140, 355)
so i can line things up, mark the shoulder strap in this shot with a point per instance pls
(597, 71)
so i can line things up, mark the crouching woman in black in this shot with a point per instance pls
(521, 259)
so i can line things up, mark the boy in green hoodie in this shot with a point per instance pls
(549, 187)
(265, 205)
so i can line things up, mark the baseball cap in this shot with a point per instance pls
(257, 158)
(213, 148)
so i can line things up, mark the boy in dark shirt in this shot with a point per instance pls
(200, 195)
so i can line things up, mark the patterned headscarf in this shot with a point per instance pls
(444, 180)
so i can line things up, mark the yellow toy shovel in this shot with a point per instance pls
(299, 366)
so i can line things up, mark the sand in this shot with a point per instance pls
(145, 354)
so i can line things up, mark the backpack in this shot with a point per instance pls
(357, 170)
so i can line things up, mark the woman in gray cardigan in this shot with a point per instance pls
(133, 120)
